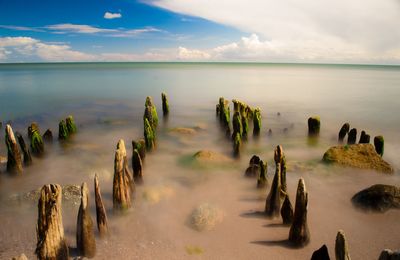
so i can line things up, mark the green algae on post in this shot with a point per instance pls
(245, 126)
(140, 146)
(237, 144)
(37, 145)
(237, 125)
(256, 122)
(314, 125)
(379, 143)
(151, 113)
(62, 131)
(165, 105)
(71, 127)
(149, 136)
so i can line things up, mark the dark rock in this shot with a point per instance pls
(299, 235)
(378, 197)
(287, 211)
(379, 143)
(362, 156)
(341, 247)
(165, 105)
(388, 254)
(25, 150)
(314, 125)
(343, 132)
(85, 241)
(51, 243)
(321, 254)
(352, 138)
(364, 138)
(14, 160)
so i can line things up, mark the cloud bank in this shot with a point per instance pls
(109, 15)
(364, 31)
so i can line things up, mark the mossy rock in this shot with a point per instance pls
(206, 217)
(205, 159)
(361, 156)
(378, 197)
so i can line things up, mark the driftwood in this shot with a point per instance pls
(101, 216)
(85, 241)
(299, 235)
(14, 160)
(50, 231)
(123, 184)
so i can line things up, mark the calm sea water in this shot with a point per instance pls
(107, 101)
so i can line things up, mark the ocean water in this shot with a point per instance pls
(107, 101)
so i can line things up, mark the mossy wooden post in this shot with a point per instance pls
(343, 132)
(137, 167)
(352, 138)
(221, 106)
(165, 105)
(256, 122)
(299, 235)
(62, 131)
(33, 127)
(101, 216)
(14, 160)
(379, 144)
(245, 126)
(71, 126)
(24, 149)
(237, 144)
(140, 146)
(237, 125)
(364, 138)
(149, 136)
(341, 247)
(151, 113)
(37, 145)
(51, 243)
(273, 201)
(262, 181)
(85, 241)
(287, 211)
(314, 125)
(122, 183)
(280, 158)
(48, 136)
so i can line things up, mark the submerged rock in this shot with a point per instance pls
(314, 125)
(388, 254)
(343, 132)
(14, 160)
(362, 156)
(379, 143)
(51, 243)
(165, 105)
(206, 217)
(299, 235)
(183, 130)
(378, 197)
(321, 254)
(155, 194)
(341, 247)
(25, 150)
(352, 138)
(85, 241)
(101, 216)
(254, 167)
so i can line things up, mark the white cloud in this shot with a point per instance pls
(109, 15)
(325, 30)
(187, 54)
(78, 28)
(16, 41)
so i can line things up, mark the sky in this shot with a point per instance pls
(309, 31)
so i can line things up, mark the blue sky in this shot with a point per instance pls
(340, 31)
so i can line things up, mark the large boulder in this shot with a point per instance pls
(362, 156)
(379, 197)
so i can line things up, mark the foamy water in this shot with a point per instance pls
(107, 102)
